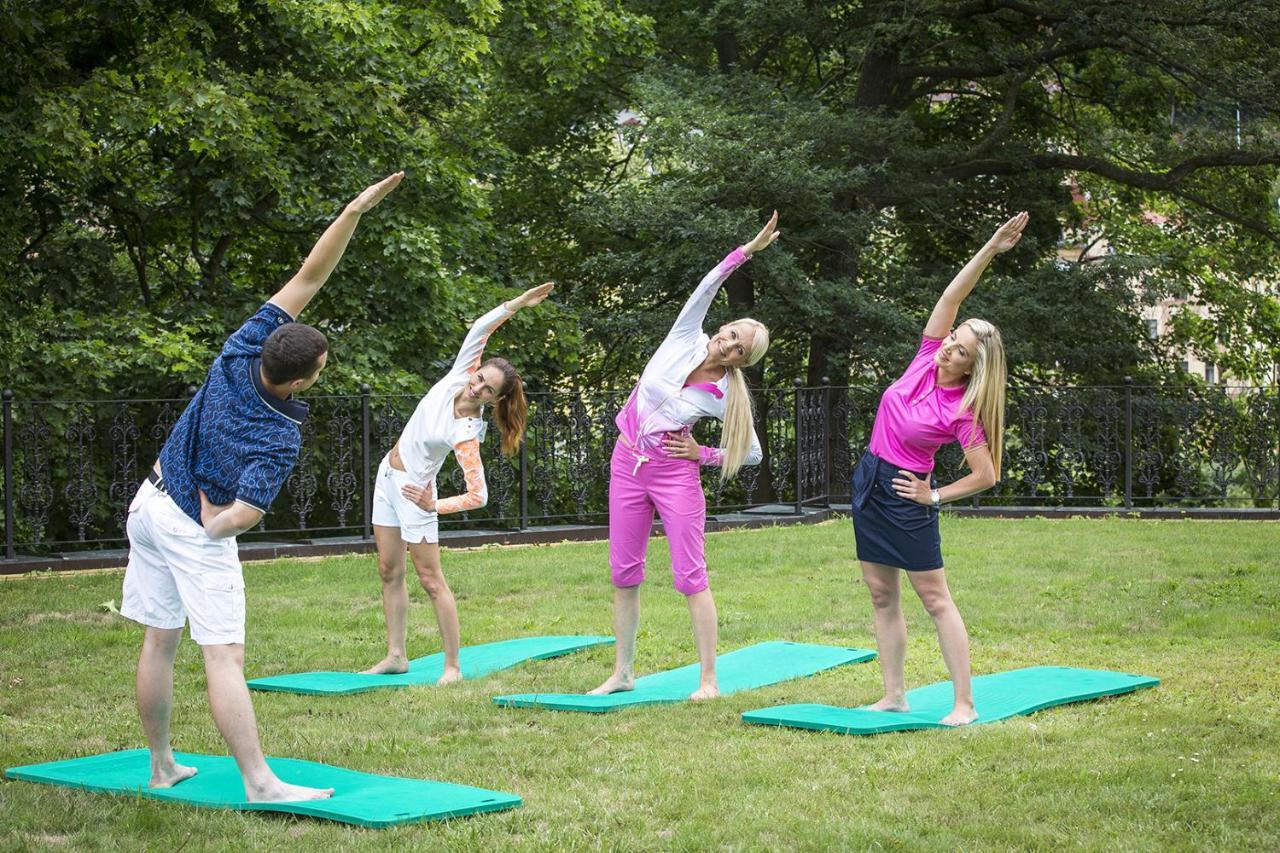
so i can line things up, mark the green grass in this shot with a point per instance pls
(1191, 764)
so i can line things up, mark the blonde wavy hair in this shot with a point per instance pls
(739, 413)
(985, 393)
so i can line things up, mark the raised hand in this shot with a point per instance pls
(423, 496)
(765, 238)
(1008, 234)
(532, 296)
(369, 198)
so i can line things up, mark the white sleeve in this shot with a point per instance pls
(688, 324)
(473, 345)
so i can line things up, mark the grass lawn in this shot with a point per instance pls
(1193, 763)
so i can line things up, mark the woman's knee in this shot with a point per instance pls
(937, 602)
(431, 577)
(883, 584)
(884, 596)
(390, 569)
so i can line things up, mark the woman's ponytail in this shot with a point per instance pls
(739, 413)
(511, 411)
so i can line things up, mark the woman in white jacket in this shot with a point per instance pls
(656, 462)
(449, 419)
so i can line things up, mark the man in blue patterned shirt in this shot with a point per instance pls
(222, 465)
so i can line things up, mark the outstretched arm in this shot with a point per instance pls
(326, 253)
(472, 349)
(688, 324)
(944, 313)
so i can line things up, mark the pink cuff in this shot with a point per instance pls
(712, 456)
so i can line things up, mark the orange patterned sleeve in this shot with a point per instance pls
(468, 456)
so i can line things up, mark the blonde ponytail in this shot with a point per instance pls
(739, 412)
(985, 394)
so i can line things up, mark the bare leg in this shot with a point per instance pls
(626, 620)
(891, 633)
(426, 559)
(395, 599)
(233, 713)
(154, 688)
(954, 640)
(702, 611)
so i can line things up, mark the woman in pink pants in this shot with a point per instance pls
(656, 462)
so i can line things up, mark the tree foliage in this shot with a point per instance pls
(894, 136)
(169, 164)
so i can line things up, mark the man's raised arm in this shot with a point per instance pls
(326, 253)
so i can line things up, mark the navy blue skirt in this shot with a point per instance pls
(889, 529)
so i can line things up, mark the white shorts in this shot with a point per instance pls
(392, 509)
(176, 572)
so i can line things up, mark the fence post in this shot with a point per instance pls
(1128, 442)
(367, 530)
(826, 441)
(8, 474)
(799, 449)
(524, 485)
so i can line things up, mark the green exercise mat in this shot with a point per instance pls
(742, 669)
(364, 799)
(996, 696)
(475, 661)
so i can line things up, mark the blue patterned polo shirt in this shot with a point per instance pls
(236, 440)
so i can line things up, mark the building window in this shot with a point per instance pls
(1210, 373)
(1184, 367)
(1153, 328)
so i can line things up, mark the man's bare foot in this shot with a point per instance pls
(279, 792)
(615, 684)
(961, 715)
(169, 775)
(390, 665)
(704, 692)
(889, 703)
(451, 675)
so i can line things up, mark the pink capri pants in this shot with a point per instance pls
(674, 488)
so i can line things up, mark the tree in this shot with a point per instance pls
(167, 166)
(895, 135)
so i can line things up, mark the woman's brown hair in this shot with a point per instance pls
(511, 409)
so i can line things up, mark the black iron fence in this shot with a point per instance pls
(72, 466)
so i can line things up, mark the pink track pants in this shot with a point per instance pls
(674, 488)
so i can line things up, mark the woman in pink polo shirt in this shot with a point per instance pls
(953, 390)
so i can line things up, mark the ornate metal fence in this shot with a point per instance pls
(72, 466)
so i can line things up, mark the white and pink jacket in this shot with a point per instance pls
(661, 402)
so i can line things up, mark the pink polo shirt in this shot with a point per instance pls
(916, 416)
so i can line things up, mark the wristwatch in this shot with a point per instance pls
(935, 497)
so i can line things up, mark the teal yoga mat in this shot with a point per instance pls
(364, 799)
(742, 669)
(996, 697)
(475, 661)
